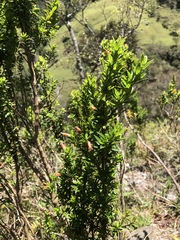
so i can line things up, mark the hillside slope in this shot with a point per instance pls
(154, 37)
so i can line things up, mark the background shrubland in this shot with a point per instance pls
(89, 127)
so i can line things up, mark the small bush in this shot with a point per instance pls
(165, 24)
(174, 34)
(176, 63)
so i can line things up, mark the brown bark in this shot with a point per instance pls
(37, 111)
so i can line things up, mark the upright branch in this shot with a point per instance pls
(130, 15)
(32, 38)
(79, 66)
(69, 9)
(30, 61)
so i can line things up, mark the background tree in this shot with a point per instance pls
(68, 11)
(89, 49)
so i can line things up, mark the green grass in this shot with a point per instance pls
(151, 31)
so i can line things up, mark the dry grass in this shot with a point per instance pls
(155, 199)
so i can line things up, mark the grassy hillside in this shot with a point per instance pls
(151, 30)
(154, 31)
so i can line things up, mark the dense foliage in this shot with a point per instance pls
(29, 117)
(171, 3)
(61, 171)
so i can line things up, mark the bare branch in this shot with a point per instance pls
(77, 53)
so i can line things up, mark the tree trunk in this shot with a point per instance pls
(76, 48)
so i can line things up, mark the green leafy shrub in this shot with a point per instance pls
(88, 187)
(169, 103)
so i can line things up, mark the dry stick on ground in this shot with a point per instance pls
(154, 153)
(10, 230)
(15, 201)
